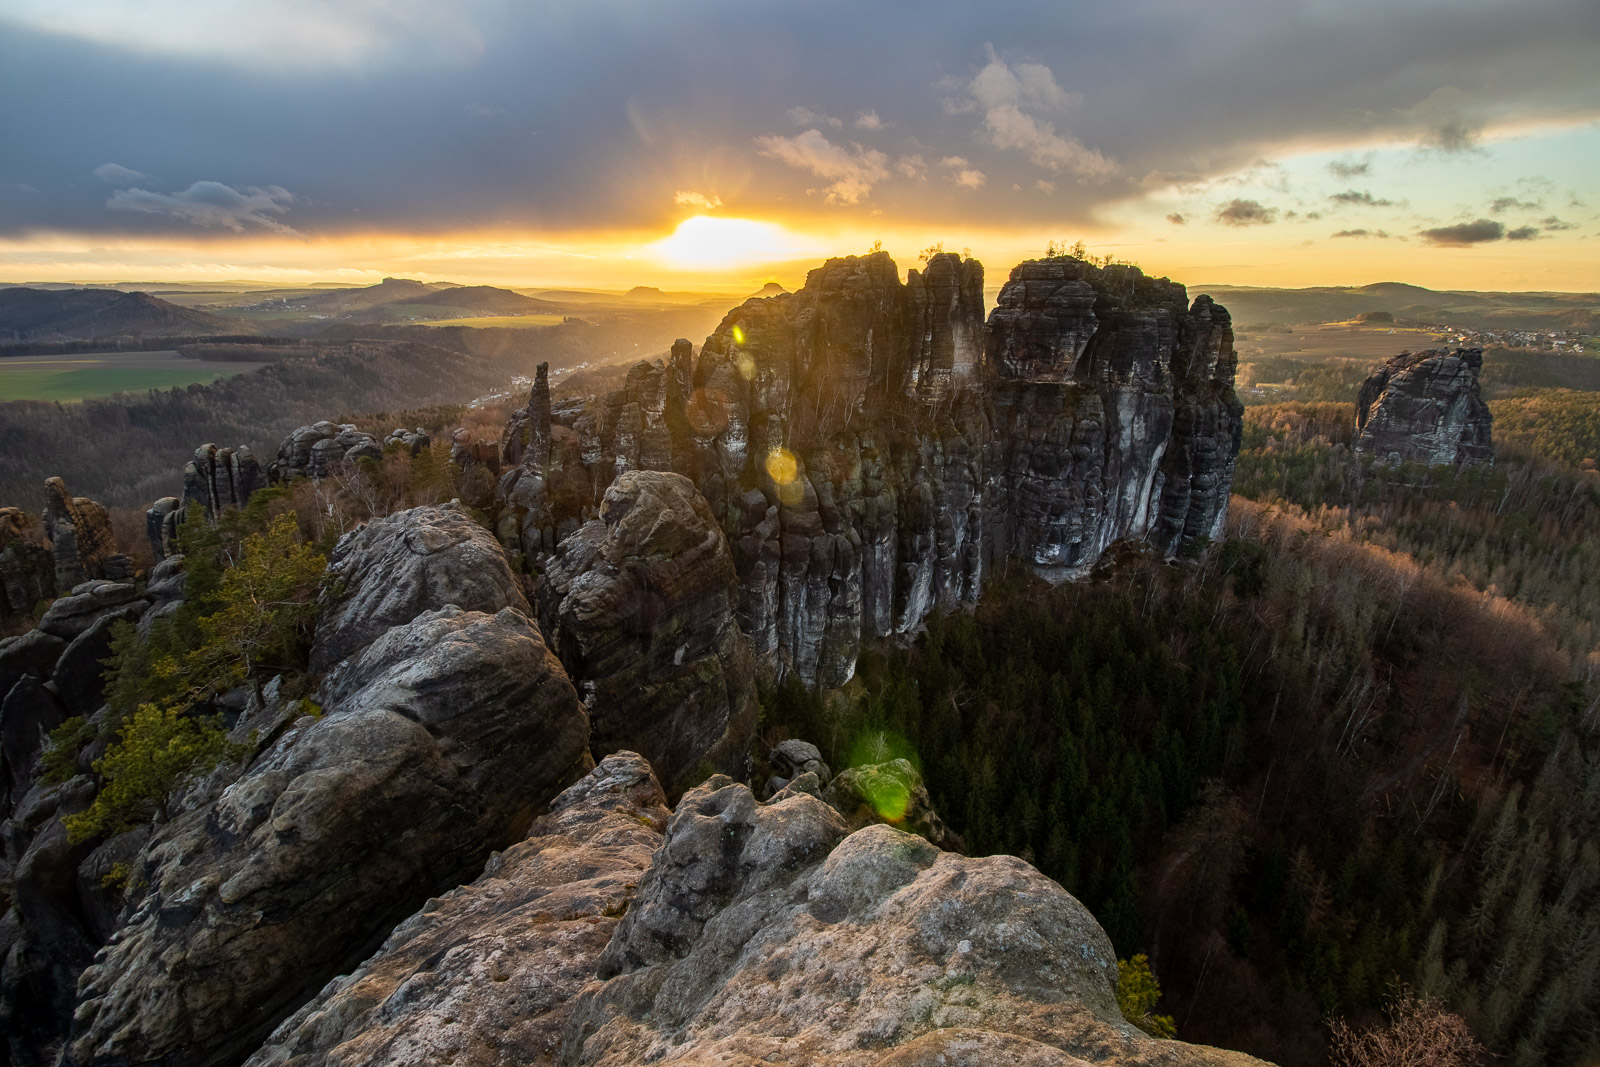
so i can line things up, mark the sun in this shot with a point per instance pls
(708, 243)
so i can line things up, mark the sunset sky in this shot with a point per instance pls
(718, 145)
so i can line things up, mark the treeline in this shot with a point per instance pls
(1274, 770)
(1528, 528)
(1506, 372)
(1560, 424)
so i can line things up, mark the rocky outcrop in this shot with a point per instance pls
(81, 542)
(440, 741)
(770, 934)
(1425, 407)
(641, 606)
(318, 450)
(487, 974)
(871, 449)
(218, 479)
(27, 572)
(792, 758)
(391, 570)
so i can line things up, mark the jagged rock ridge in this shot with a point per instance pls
(872, 449)
(1425, 407)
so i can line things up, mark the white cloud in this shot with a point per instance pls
(116, 174)
(690, 198)
(211, 204)
(851, 171)
(1004, 93)
(912, 166)
(868, 120)
(804, 116)
(968, 178)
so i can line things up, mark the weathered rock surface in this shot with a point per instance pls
(318, 450)
(891, 793)
(790, 759)
(641, 606)
(27, 572)
(440, 741)
(764, 934)
(487, 974)
(391, 570)
(218, 479)
(76, 612)
(81, 540)
(1425, 407)
(871, 449)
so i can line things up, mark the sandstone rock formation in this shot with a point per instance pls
(218, 479)
(487, 974)
(81, 541)
(765, 934)
(871, 449)
(27, 572)
(753, 933)
(640, 605)
(318, 450)
(792, 758)
(439, 743)
(1425, 407)
(391, 570)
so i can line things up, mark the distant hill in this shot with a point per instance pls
(770, 289)
(481, 298)
(388, 291)
(1411, 304)
(66, 314)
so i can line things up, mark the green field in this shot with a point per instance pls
(83, 375)
(511, 321)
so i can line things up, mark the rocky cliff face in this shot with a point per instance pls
(446, 725)
(1425, 407)
(640, 606)
(871, 448)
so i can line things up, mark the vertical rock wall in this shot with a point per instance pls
(871, 447)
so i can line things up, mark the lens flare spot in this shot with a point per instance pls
(790, 494)
(888, 796)
(738, 335)
(783, 466)
(746, 365)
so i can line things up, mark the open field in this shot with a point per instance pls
(1316, 343)
(508, 321)
(89, 374)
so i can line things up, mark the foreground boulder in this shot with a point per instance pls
(487, 974)
(765, 934)
(641, 607)
(1425, 407)
(444, 738)
(386, 572)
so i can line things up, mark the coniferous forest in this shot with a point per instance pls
(1347, 752)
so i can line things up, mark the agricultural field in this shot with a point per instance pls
(80, 375)
(506, 321)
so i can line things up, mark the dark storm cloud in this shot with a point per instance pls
(1522, 233)
(1465, 233)
(1245, 213)
(1507, 203)
(1360, 233)
(552, 115)
(1360, 198)
(1552, 222)
(1177, 219)
(1344, 169)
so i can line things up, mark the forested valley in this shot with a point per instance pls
(1347, 752)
